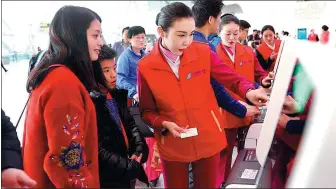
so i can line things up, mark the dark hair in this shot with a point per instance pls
(285, 33)
(68, 46)
(135, 30)
(325, 27)
(125, 28)
(255, 44)
(203, 9)
(170, 13)
(267, 27)
(244, 24)
(106, 53)
(255, 30)
(228, 18)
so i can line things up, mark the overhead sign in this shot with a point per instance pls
(310, 10)
(44, 26)
(302, 33)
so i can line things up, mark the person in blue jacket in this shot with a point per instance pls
(224, 99)
(128, 61)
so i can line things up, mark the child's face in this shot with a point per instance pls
(109, 69)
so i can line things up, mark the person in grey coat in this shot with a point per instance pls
(122, 45)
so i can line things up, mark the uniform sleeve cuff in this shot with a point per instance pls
(157, 123)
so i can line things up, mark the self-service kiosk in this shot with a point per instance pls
(315, 163)
(311, 168)
(252, 168)
(254, 130)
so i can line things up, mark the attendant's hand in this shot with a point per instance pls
(267, 81)
(257, 97)
(173, 128)
(251, 110)
(272, 57)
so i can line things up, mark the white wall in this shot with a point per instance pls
(115, 15)
(279, 14)
(118, 14)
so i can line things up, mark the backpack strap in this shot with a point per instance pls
(17, 123)
(24, 108)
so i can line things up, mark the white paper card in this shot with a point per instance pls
(190, 133)
(249, 174)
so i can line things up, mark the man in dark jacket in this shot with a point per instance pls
(12, 175)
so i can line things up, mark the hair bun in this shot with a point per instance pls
(227, 14)
(157, 19)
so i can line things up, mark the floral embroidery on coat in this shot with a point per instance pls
(77, 180)
(71, 157)
(71, 126)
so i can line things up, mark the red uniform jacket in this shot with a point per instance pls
(246, 64)
(188, 101)
(312, 37)
(266, 52)
(324, 39)
(60, 142)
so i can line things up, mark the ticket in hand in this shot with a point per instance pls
(190, 133)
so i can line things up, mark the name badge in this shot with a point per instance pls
(189, 76)
(190, 133)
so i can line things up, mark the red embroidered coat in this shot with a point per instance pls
(60, 143)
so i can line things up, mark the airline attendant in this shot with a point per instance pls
(313, 36)
(175, 94)
(324, 39)
(268, 50)
(242, 59)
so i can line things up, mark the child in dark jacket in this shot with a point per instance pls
(122, 149)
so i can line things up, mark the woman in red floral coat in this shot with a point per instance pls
(60, 142)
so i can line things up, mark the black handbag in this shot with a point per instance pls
(145, 129)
